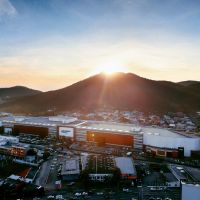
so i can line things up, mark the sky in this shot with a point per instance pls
(50, 44)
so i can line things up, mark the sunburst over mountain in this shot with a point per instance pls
(120, 91)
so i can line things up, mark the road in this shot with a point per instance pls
(44, 173)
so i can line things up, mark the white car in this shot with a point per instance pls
(59, 196)
(50, 197)
(99, 193)
(125, 190)
(77, 194)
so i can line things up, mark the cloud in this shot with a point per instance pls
(6, 8)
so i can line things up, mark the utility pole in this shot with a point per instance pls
(96, 163)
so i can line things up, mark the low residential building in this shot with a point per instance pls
(16, 177)
(178, 172)
(190, 191)
(127, 168)
(71, 169)
(11, 146)
(19, 150)
(171, 180)
(100, 167)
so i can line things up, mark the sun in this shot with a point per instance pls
(110, 69)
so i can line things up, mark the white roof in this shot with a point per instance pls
(45, 121)
(15, 177)
(125, 164)
(130, 129)
(71, 166)
(161, 132)
(110, 126)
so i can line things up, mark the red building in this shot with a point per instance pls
(110, 138)
(35, 130)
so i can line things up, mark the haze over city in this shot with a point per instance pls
(51, 44)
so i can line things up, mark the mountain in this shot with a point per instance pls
(188, 83)
(120, 91)
(192, 86)
(8, 94)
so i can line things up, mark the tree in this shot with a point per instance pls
(1, 129)
(116, 176)
(31, 152)
(84, 176)
(46, 155)
(107, 179)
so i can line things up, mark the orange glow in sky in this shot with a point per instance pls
(48, 45)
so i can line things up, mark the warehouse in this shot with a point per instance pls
(109, 133)
(35, 125)
(157, 141)
(165, 143)
(28, 129)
